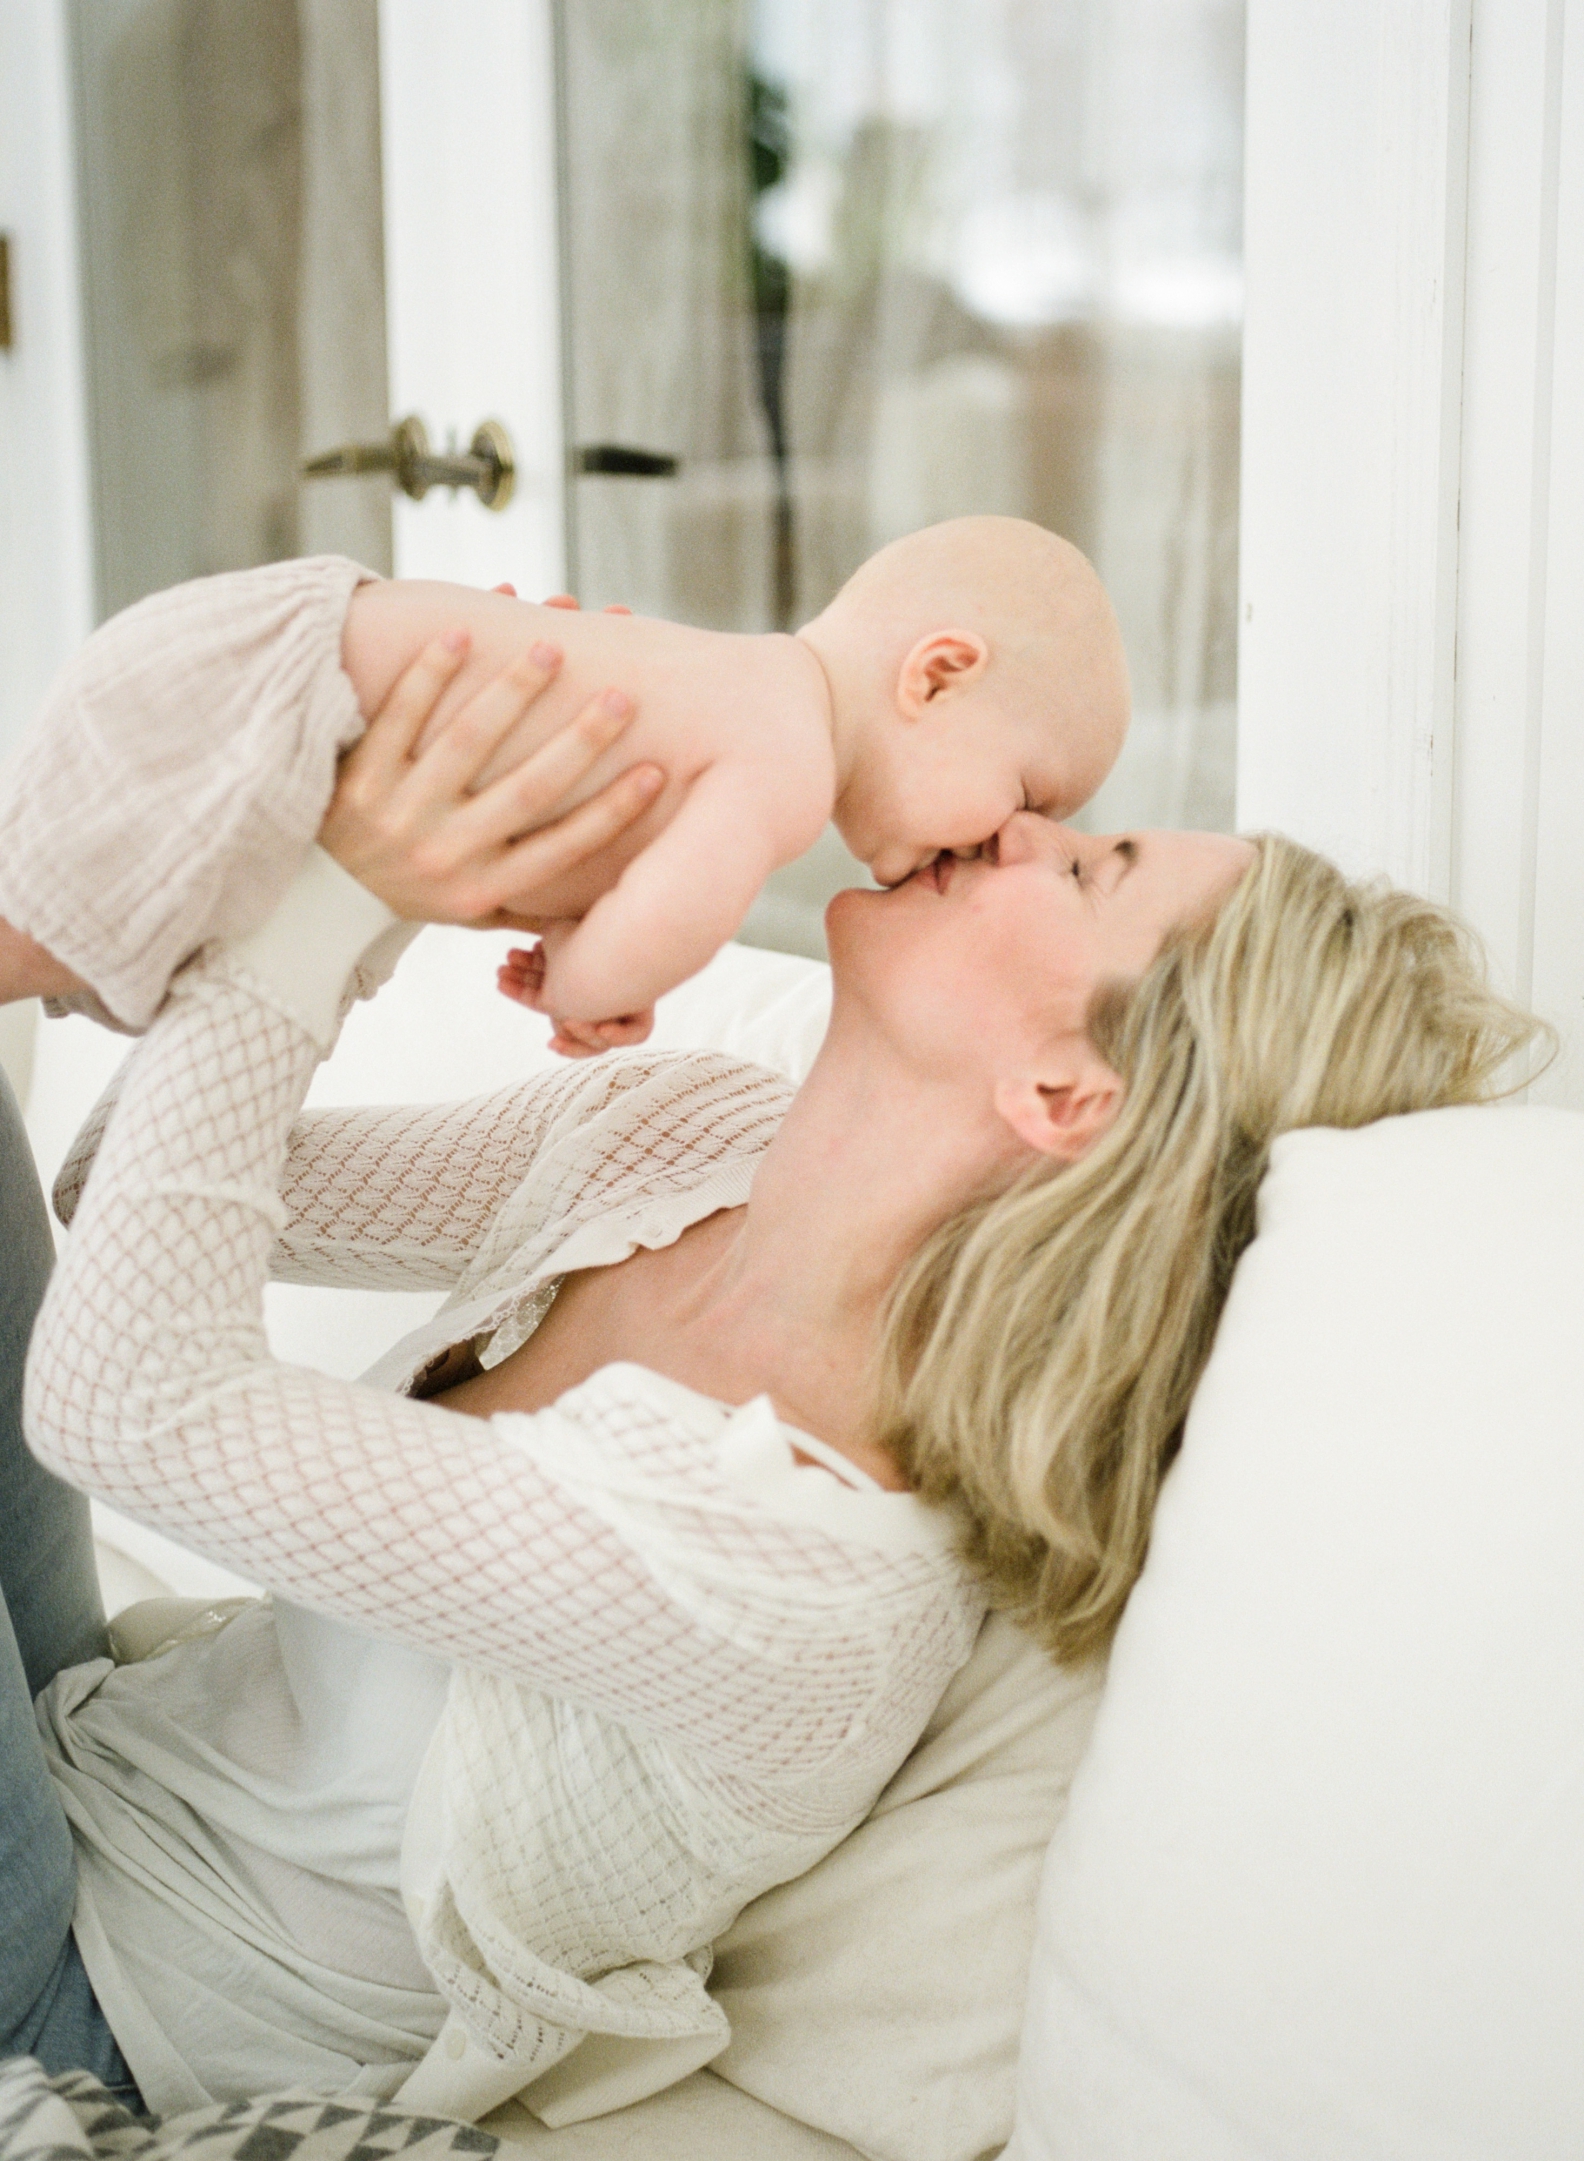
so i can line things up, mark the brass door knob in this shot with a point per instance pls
(488, 466)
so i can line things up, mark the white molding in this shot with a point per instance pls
(46, 543)
(1354, 248)
(1412, 656)
(1558, 777)
(1506, 472)
(472, 273)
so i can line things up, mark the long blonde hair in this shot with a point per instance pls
(1041, 1350)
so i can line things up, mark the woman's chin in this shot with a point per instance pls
(846, 915)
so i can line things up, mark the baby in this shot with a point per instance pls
(185, 759)
(966, 672)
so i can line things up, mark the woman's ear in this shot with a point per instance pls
(944, 660)
(1062, 1116)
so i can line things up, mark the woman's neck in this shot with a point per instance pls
(784, 1296)
(853, 1183)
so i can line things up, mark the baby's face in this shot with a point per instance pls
(934, 784)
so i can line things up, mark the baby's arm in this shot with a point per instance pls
(674, 906)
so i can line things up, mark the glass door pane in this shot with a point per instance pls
(233, 282)
(858, 265)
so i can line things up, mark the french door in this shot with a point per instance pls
(746, 287)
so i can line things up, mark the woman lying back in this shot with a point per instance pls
(636, 1614)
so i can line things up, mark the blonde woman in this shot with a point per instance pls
(620, 1591)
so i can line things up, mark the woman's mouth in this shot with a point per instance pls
(937, 872)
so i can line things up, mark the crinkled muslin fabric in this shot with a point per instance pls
(176, 773)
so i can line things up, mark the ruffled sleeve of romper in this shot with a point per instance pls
(175, 776)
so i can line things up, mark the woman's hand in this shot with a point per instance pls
(409, 829)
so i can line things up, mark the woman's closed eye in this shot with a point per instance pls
(1103, 876)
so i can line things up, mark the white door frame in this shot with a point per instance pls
(1412, 643)
(46, 526)
(472, 274)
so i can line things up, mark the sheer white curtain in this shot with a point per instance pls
(233, 281)
(855, 264)
(1015, 237)
(863, 264)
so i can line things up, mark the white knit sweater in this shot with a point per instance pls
(684, 1665)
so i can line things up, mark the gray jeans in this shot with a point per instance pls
(50, 1617)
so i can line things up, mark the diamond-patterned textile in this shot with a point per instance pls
(73, 2118)
(669, 1694)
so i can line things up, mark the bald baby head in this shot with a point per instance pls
(976, 668)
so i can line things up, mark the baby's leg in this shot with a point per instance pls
(180, 766)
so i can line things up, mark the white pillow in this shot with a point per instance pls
(880, 1996)
(1320, 1889)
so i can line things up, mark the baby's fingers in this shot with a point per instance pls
(578, 1039)
(521, 974)
(628, 1028)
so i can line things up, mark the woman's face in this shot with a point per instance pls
(971, 966)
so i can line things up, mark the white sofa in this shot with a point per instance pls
(1319, 1891)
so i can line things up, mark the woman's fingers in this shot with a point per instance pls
(527, 795)
(570, 600)
(405, 821)
(541, 857)
(470, 738)
(396, 727)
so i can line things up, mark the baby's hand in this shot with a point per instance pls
(521, 976)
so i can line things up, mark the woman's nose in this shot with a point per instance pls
(1027, 835)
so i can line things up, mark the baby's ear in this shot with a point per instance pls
(943, 661)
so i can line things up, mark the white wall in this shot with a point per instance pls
(1412, 647)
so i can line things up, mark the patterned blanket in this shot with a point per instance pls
(72, 2118)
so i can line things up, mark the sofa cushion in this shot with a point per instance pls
(699, 2119)
(880, 1996)
(1320, 1889)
